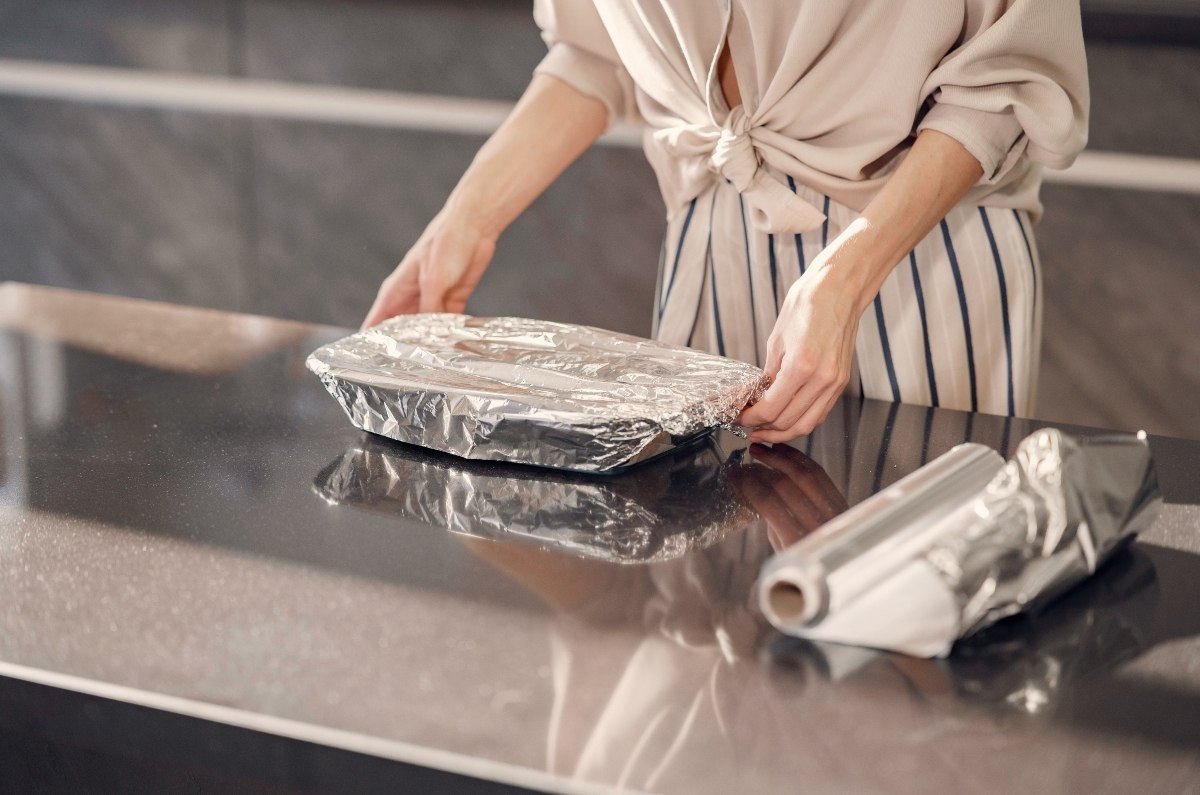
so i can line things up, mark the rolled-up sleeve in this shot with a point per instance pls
(582, 55)
(1016, 85)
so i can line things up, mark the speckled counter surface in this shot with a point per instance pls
(177, 532)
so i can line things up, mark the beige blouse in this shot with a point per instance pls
(834, 91)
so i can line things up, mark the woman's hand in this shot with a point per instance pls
(809, 355)
(551, 126)
(439, 272)
(811, 348)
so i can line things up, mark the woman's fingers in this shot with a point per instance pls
(786, 383)
(795, 411)
(815, 413)
(799, 398)
(454, 265)
(378, 312)
(438, 274)
(800, 381)
(809, 355)
(397, 295)
(796, 405)
(478, 257)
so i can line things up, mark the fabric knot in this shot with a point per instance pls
(734, 156)
(773, 208)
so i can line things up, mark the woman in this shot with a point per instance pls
(822, 164)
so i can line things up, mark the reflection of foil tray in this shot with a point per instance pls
(659, 511)
(530, 391)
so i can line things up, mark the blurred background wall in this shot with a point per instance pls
(238, 187)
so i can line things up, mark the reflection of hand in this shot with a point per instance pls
(790, 491)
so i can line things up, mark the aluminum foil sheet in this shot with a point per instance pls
(963, 543)
(1027, 667)
(531, 391)
(663, 510)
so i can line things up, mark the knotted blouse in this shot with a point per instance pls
(833, 91)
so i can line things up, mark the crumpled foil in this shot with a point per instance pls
(665, 509)
(946, 561)
(1058, 510)
(1030, 667)
(531, 391)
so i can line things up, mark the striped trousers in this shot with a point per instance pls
(957, 323)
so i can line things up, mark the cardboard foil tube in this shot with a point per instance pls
(876, 538)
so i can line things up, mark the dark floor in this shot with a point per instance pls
(302, 219)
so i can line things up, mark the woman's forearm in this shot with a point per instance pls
(548, 129)
(935, 175)
(810, 350)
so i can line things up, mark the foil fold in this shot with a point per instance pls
(531, 391)
(963, 543)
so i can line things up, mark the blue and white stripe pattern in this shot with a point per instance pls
(956, 324)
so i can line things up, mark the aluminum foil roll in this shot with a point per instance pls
(851, 553)
(663, 510)
(940, 555)
(531, 391)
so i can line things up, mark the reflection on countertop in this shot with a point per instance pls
(159, 532)
(663, 509)
(1058, 665)
(715, 505)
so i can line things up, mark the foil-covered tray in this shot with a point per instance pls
(676, 504)
(964, 542)
(531, 391)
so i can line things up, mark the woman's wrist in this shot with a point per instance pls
(933, 177)
(465, 208)
(853, 267)
(551, 126)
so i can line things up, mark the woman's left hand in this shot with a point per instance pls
(809, 355)
(811, 348)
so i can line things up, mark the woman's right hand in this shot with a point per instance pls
(439, 273)
(550, 127)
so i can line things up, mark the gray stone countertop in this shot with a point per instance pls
(188, 522)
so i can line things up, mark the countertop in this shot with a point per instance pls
(189, 524)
